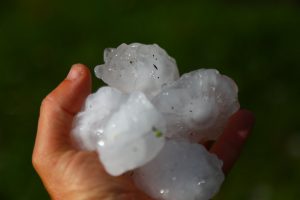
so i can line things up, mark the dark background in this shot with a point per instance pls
(256, 43)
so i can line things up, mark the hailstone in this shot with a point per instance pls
(89, 123)
(132, 136)
(125, 129)
(198, 105)
(181, 171)
(137, 67)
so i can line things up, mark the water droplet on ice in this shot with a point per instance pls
(201, 182)
(101, 143)
(99, 132)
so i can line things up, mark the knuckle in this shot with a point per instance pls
(35, 160)
(47, 103)
(38, 161)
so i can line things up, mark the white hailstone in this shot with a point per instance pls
(198, 105)
(125, 129)
(98, 108)
(181, 171)
(133, 135)
(137, 67)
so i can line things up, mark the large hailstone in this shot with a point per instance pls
(198, 105)
(125, 129)
(137, 67)
(181, 171)
(133, 136)
(88, 126)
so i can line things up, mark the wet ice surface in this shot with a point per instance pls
(137, 67)
(149, 120)
(198, 105)
(181, 171)
(126, 129)
(98, 108)
(131, 135)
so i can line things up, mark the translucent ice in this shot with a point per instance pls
(198, 105)
(181, 171)
(133, 135)
(137, 67)
(126, 129)
(89, 123)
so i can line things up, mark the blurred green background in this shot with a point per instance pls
(256, 43)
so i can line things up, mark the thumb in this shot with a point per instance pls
(58, 110)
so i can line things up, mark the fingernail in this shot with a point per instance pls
(74, 73)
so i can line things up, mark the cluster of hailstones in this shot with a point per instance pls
(149, 120)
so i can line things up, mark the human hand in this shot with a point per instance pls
(69, 173)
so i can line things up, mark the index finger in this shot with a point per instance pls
(231, 142)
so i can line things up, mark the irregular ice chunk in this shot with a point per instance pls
(98, 108)
(137, 67)
(125, 129)
(133, 135)
(181, 171)
(198, 105)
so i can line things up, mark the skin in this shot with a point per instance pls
(70, 173)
